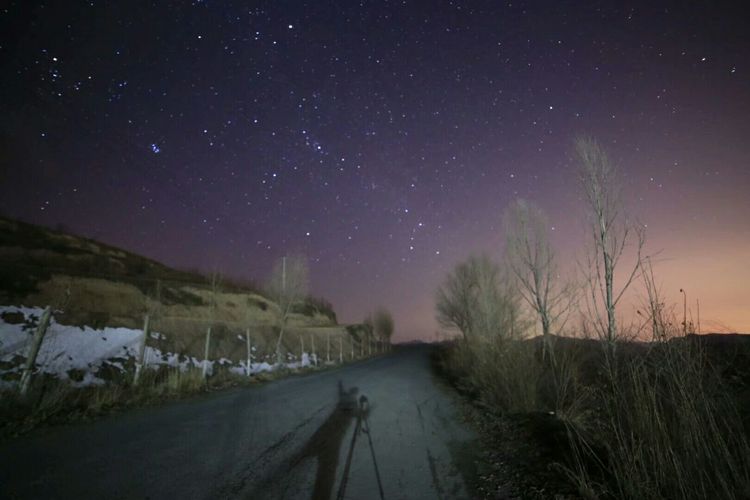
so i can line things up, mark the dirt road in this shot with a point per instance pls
(292, 438)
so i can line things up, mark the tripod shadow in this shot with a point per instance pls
(324, 445)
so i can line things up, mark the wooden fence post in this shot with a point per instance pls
(36, 343)
(249, 351)
(141, 350)
(205, 353)
(314, 356)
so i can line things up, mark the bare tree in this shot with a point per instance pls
(383, 324)
(478, 301)
(532, 262)
(455, 296)
(288, 285)
(369, 324)
(611, 232)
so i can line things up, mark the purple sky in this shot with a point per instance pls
(382, 139)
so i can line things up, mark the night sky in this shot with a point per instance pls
(381, 139)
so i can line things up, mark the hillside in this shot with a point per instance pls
(96, 286)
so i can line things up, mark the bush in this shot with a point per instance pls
(313, 305)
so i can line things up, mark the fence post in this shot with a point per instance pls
(341, 349)
(249, 350)
(369, 345)
(314, 356)
(141, 350)
(352, 339)
(301, 347)
(362, 347)
(205, 353)
(328, 347)
(36, 343)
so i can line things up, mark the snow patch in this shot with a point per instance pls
(86, 350)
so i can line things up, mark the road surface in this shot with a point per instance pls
(292, 438)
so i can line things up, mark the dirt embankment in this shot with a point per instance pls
(94, 284)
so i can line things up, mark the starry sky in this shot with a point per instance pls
(383, 139)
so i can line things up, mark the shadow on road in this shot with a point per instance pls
(323, 446)
(325, 443)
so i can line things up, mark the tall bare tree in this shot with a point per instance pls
(611, 232)
(532, 262)
(288, 285)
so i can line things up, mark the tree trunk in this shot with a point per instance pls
(608, 282)
(141, 350)
(279, 360)
(205, 353)
(36, 343)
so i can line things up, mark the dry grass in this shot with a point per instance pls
(654, 423)
(52, 401)
(668, 430)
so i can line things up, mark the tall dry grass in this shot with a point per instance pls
(506, 372)
(654, 422)
(56, 401)
(668, 430)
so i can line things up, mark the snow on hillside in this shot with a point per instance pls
(84, 349)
